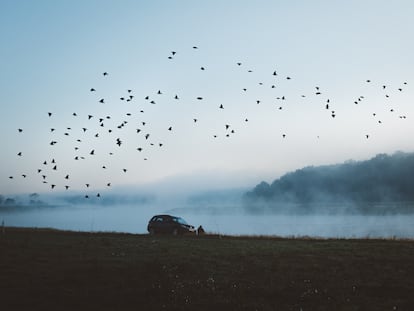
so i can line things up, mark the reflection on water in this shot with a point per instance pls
(134, 219)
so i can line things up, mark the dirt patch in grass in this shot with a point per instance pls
(49, 269)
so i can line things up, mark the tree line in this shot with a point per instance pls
(366, 185)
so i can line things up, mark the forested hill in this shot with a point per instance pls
(382, 180)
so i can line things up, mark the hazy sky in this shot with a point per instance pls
(53, 52)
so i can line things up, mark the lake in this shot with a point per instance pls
(134, 219)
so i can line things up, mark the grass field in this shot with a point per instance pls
(43, 269)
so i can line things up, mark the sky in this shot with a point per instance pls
(54, 52)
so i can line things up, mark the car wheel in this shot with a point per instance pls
(152, 231)
(175, 232)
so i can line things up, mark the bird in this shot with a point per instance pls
(49, 114)
(102, 101)
(20, 130)
(92, 90)
(19, 154)
(202, 68)
(90, 116)
(125, 170)
(170, 128)
(67, 177)
(105, 73)
(176, 97)
(221, 107)
(199, 98)
(92, 152)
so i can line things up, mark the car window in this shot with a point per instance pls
(180, 220)
(160, 219)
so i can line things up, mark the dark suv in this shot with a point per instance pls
(169, 224)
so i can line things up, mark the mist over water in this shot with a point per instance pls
(134, 219)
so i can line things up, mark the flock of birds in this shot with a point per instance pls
(110, 130)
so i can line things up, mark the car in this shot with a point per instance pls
(167, 224)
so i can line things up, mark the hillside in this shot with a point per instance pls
(383, 184)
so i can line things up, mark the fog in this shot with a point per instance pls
(371, 198)
(226, 218)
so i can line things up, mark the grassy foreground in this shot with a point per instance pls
(58, 270)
